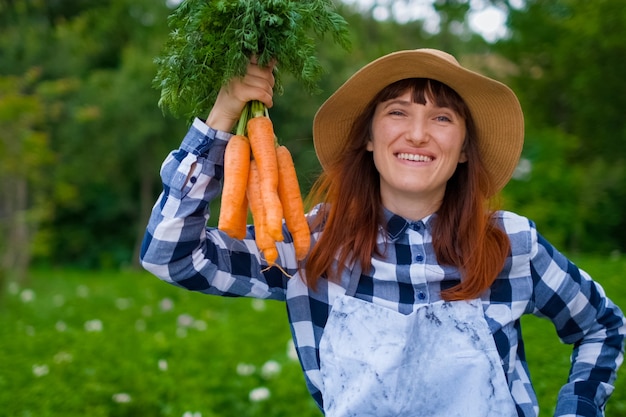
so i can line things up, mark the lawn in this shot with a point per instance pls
(125, 344)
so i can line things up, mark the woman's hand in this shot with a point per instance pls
(257, 84)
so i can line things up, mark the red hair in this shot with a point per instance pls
(464, 232)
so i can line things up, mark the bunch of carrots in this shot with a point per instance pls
(210, 42)
(260, 175)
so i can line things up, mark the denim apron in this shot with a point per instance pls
(438, 361)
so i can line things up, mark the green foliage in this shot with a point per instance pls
(545, 186)
(568, 58)
(211, 41)
(125, 344)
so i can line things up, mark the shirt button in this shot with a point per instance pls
(421, 295)
(193, 180)
(419, 258)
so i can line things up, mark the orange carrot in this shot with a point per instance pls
(291, 199)
(262, 142)
(234, 207)
(242, 222)
(263, 240)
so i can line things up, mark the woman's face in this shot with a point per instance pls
(416, 149)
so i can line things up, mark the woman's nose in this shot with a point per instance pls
(418, 132)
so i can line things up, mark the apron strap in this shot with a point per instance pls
(355, 276)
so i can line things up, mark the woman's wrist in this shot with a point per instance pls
(220, 122)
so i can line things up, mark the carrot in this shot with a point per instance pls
(234, 207)
(291, 199)
(262, 142)
(240, 223)
(263, 240)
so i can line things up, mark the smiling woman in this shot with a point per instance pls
(409, 299)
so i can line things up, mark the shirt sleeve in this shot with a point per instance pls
(585, 317)
(180, 249)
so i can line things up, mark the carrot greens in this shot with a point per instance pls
(211, 42)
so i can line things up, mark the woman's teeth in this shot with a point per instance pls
(414, 157)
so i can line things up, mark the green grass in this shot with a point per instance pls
(125, 344)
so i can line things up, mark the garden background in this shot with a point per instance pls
(83, 331)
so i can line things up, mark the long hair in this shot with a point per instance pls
(349, 220)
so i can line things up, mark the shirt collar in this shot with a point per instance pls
(397, 225)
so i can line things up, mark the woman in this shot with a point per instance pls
(409, 301)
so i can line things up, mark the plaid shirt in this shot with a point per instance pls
(536, 279)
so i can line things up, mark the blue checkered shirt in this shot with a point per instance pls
(536, 279)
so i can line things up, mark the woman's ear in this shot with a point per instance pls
(369, 145)
(462, 156)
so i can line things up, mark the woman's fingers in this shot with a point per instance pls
(256, 84)
(261, 83)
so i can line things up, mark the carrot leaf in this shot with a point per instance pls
(211, 41)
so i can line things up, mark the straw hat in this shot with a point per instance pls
(494, 107)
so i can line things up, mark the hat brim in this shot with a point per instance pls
(494, 107)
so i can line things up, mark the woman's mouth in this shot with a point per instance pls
(414, 157)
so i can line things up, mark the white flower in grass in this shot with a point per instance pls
(181, 332)
(27, 295)
(184, 320)
(166, 304)
(82, 291)
(163, 365)
(200, 325)
(40, 370)
(259, 394)
(245, 369)
(60, 326)
(123, 303)
(140, 325)
(122, 398)
(94, 325)
(258, 304)
(58, 300)
(270, 368)
(63, 357)
(192, 414)
(13, 288)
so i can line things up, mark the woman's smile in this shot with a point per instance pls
(414, 157)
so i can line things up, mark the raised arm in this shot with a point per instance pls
(178, 247)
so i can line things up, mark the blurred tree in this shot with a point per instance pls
(103, 133)
(569, 75)
(113, 139)
(24, 159)
(117, 139)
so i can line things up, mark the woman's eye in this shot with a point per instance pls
(443, 119)
(396, 113)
